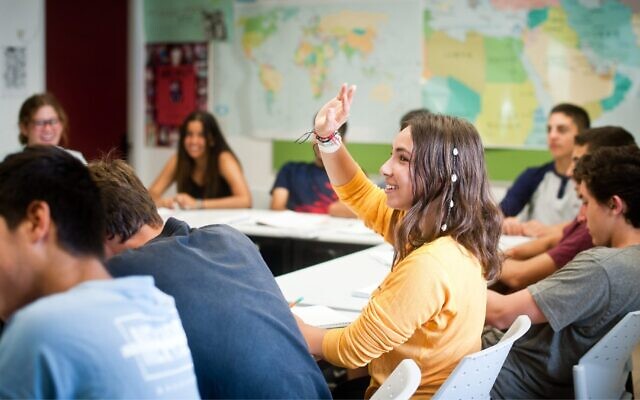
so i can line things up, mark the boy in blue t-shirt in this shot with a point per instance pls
(305, 187)
(72, 331)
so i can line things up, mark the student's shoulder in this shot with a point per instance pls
(610, 258)
(221, 233)
(45, 318)
(539, 170)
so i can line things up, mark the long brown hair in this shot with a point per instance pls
(474, 221)
(32, 105)
(215, 144)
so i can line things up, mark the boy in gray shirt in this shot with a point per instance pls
(575, 307)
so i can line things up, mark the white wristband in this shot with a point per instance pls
(332, 145)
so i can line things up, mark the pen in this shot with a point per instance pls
(297, 301)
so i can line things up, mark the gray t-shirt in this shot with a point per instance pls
(582, 302)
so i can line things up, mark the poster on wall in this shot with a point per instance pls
(176, 85)
(13, 71)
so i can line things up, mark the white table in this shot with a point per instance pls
(288, 240)
(333, 283)
(281, 224)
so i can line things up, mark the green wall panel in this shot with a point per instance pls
(503, 165)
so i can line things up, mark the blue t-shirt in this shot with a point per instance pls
(308, 185)
(244, 340)
(116, 338)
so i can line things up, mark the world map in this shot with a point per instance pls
(500, 64)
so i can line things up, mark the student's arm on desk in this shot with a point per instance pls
(502, 310)
(279, 198)
(519, 274)
(534, 247)
(313, 336)
(162, 183)
(538, 229)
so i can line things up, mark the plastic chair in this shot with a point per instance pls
(402, 382)
(602, 372)
(476, 373)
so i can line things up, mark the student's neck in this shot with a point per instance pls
(562, 165)
(65, 271)
(143, 236)
(625, 236)
(200, 163)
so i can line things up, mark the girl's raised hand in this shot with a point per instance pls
(335, 112)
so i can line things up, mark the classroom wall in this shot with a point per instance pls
(502, 165)
(254, 154)
(22, 24)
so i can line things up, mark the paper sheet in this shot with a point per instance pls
(322, 316)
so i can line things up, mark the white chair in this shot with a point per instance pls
(602, 372)
(401, 384)
(476, 373)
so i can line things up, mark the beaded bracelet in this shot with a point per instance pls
(329, 144)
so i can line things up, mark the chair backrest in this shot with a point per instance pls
(401, 384)
(476, 373)
(602, 372)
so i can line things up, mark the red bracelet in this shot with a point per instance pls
(325, 139)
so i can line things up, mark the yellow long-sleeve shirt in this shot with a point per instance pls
(430, 308)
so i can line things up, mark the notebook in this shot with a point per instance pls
(322, 316)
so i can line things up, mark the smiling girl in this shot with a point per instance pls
(205, 170)
(42, 121)
(437, 212)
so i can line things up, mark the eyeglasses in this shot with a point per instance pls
(41, 123)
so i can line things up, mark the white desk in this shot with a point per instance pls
(282, 224)
(332, 283)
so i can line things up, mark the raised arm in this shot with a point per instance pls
(340, 166)
(162, 183)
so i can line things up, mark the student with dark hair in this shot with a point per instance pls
(206, 172)
(575, 307)
(43, 121)
(244, 340)
(305, 187)
(546, 190)
(73, 331)
(532, 261)
(437, 212)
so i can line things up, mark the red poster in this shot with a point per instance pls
(176, 85)
(175, 93)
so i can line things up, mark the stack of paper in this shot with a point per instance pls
(292, 220)
(364, 292)
(322, 316)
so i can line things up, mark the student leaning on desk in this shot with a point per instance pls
(437, 213)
